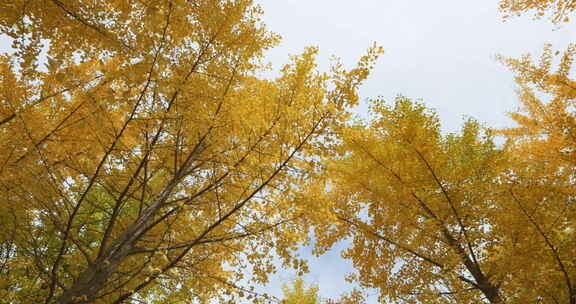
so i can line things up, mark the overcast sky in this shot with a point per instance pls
(439, 51)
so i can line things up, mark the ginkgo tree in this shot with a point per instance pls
(447, 218)
(142, 160)
(417, 204)
(436, 218)
(544, 148)
(297, 293)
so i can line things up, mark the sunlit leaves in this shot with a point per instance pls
(415, 203)
(557, 10)
(297, 293)
(142, 158)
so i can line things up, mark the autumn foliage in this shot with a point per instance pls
(142, 159)
(297, 293)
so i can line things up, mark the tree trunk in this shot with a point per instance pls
(90, 282)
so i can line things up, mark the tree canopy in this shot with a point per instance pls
(144, 160)
(141, 157)
(457, 218)
(297, 293)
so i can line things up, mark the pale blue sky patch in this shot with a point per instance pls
(440, 51)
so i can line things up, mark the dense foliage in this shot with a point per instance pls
(141, 157)
(143, 160)
(297, 293)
